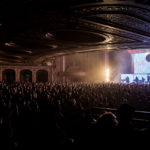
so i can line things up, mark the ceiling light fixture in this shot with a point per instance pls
(48, 35)
(10, 44)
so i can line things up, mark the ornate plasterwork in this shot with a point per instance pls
(126, 9)
(127, 21)
(113, 30)
(33, 69)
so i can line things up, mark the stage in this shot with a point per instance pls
(140, 68)
(135, 78)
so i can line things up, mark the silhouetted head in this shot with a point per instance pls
(125, 111)
(107, 120)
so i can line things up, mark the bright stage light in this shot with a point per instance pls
(107, 75)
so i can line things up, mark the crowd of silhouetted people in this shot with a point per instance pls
(43, 115)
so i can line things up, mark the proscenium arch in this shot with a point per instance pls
(26, 75)
(8, 75)
(42, 76)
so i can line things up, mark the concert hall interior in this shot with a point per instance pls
(74, 72)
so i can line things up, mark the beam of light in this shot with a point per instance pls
(107, 75)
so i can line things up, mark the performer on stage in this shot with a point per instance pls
(136, 79)
(127, 79)
(148, 78)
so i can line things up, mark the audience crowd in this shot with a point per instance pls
(43, 115)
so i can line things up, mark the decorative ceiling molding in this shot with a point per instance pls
(31, 34)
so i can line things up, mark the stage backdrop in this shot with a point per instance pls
(140, 61)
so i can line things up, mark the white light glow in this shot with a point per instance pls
(107, 75)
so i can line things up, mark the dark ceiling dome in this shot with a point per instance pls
(77, 36)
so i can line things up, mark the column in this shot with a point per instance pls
(64, 67)
(17, 71)
(33, 75)
(0, 74)
(87, 62)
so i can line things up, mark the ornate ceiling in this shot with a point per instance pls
(33, 31)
